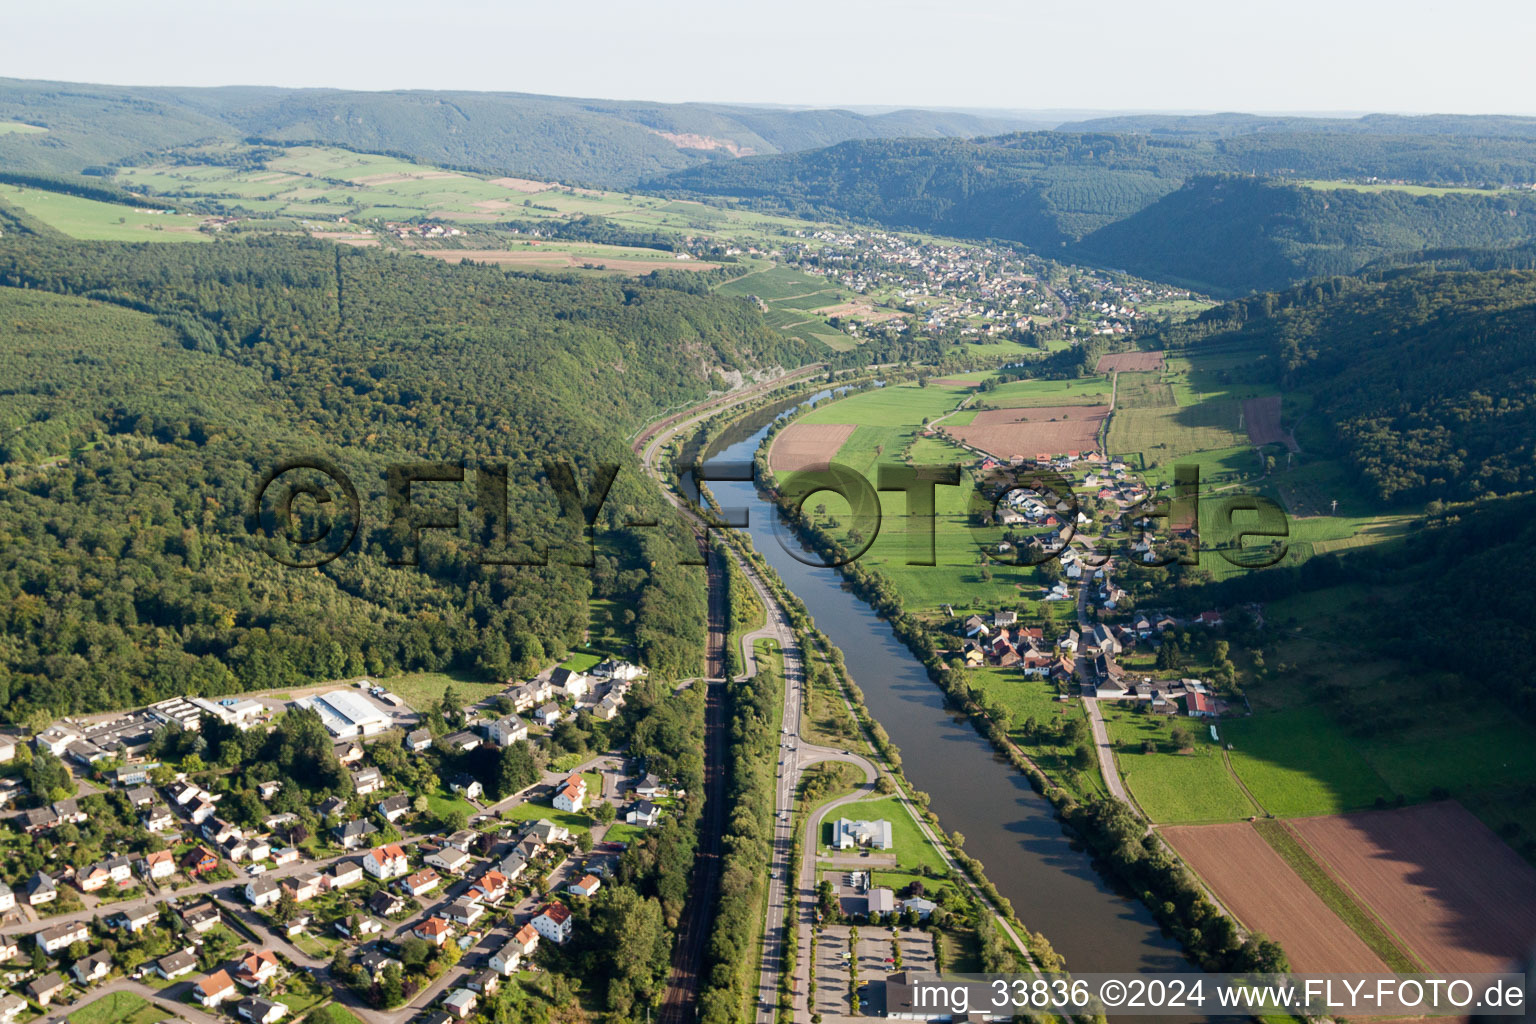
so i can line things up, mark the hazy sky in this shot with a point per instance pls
(1472, 56)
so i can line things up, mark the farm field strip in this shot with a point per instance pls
(1459, 897)
(1254, 883)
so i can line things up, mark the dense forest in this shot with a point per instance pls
(596, 142)
(1424, 378)
(1167, 207)
(146, 390)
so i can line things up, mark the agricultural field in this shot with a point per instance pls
(93, 220)
(1026, 393)
(1028, 431)
(1300, 762)
(1260, 889)
(1192, 784)
(1439, 879)
(1133, 361)
(1155, 435)
(803, 445)
(20, 128)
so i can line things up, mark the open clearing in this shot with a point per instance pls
(1135, 362)
(1051, 429)
(1458, 897)
(806, 445)
(1261, 416)
(1256, 885)
(543, 257)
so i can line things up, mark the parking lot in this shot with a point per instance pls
(876, 960)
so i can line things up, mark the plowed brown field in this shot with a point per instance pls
(1135, 362)
(1253, 882)
(807, 445)
(1052, 430)
(1455, 894)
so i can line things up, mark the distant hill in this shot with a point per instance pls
(596, 142)
(1215, 126)
(1152, 203)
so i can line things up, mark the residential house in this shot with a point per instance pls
(261, 1011)
(466, 785)
(506, 731)
(350, 835)
(586, 886)
(486, 982)
(464, 839)
(434, 930)
(257, 969)
(157, 818)
(548, 714)
(7, 897)
(202, 811)
(348, 752)
(465, 912)
(547, 832)
(923, 908)
(140, 796)
(650, 788)
(393, 808)
(848, 834)
(268, 790)
(386, 862)
(284, 855)
(262, 891)
(463, 741)
(572, 794)
(135, 919)
(90, 969)
(554, 923)
(344, 873)
(357, 926)
(1199, 705)
(526, 938)
(303, 888)
(421, 882)
(490, 887)
(176, 964)
(200, 917)
(460, 1003)
(60, 936)
(367, 780)
(375, 961)
(418, 740)
(214, 989)
(508, 956)
(199, 861)
(46, 989)
(385, 903)
(608, 708)
(975, 626)
(11, 1006)
(574, 685)
(643, 813)
(38, 890)
(331, 805)
(449, 858)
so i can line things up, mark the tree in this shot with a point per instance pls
(286, 907)
(605, 813)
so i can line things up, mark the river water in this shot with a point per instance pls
(1012, 829)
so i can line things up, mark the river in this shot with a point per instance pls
(1051, 882)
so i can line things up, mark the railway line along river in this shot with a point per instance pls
(1051, 881)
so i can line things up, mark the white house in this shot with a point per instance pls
(505, 960)
(554, 923)
(572, 794)
(386, 862)
(848, 834)
(506, 731)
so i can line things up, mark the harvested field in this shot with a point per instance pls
(955, 382)
(535, 257)
(1457, 897)
(1261, 417)
(807, 445)
(346, 237)
(1253, 882)
(1048, 429)
(860, 309)
(523, 184)
(1135, 362)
